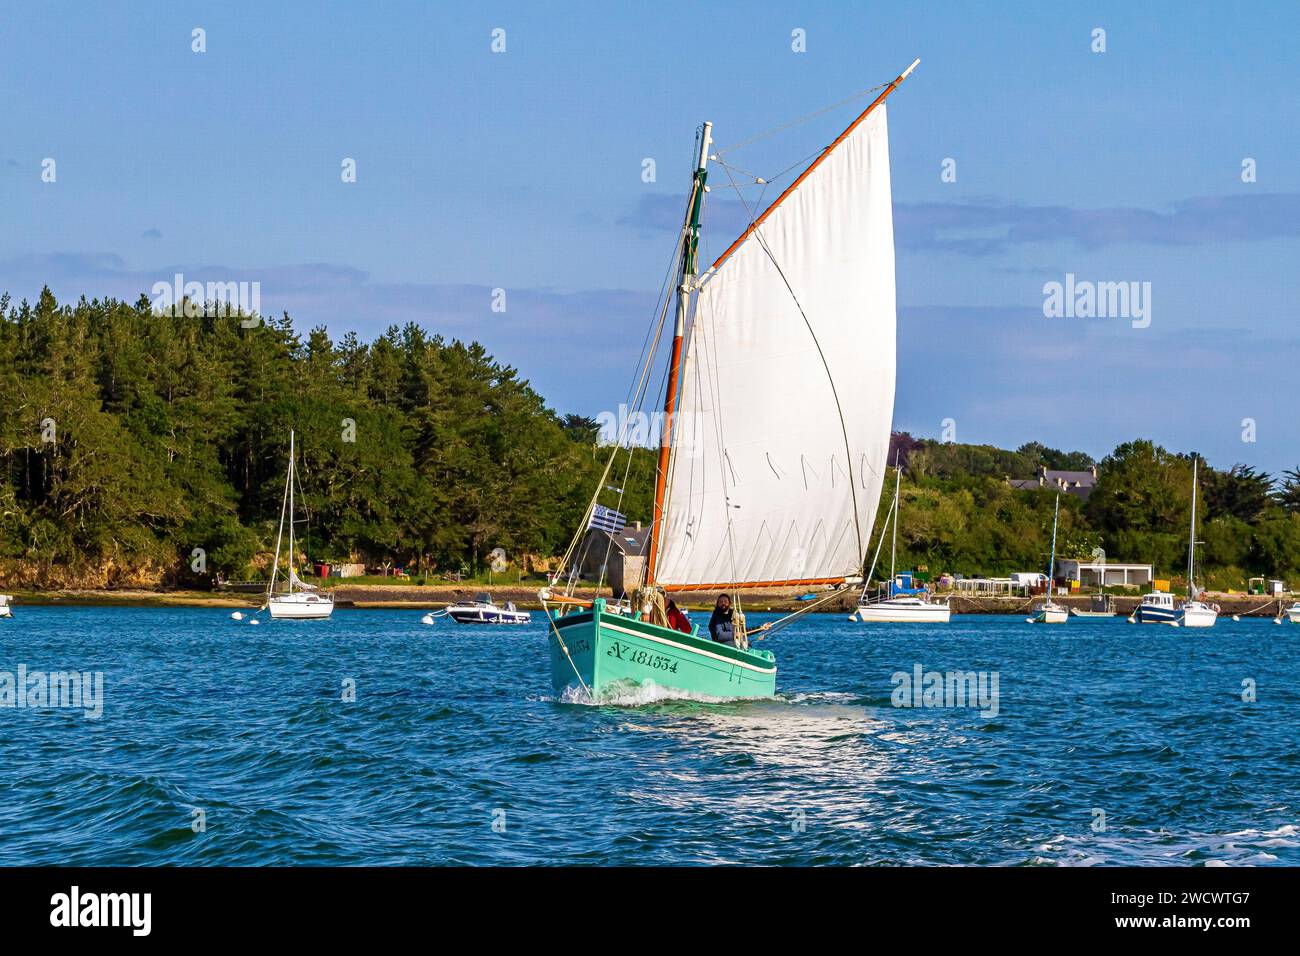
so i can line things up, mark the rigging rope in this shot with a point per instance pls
(638, 394)
(797, 122)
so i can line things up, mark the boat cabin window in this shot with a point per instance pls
(483, 598)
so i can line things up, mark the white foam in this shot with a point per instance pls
(1163, 847)
(620, 694)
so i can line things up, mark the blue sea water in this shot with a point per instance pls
(1112, 744)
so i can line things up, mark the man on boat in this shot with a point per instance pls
(721, 626)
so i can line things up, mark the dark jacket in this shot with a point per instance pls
(721, 627)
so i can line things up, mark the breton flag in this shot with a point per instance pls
(607, 519)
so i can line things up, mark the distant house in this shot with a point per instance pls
(617, 558)
(1077, 483)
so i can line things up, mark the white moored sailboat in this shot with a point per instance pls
(299, 601)
(1049, 612)
(777, 412)
(890, 606)
(1196, 613)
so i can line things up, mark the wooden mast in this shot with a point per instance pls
(687, 276)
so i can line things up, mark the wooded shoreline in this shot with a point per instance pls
(146, 451)
(434, 597)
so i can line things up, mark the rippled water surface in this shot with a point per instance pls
(1140, 728)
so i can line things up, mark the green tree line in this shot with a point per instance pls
(960, 513)
(129, 438)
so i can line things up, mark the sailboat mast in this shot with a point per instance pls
(893, 547)
(1051, 568)
(1191, 540)
(279, 537)
(291, 511)
(685, 285)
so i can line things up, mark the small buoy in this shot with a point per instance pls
(427, 619)
(1132, 620)
(253, 620)
(1277, 620)
(237, 616)
(1236, 617)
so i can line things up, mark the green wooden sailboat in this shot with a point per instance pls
(778, 402)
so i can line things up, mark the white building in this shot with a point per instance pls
(1094, 574)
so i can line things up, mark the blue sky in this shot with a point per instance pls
(522, 170)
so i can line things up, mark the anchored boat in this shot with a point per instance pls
(299, 601)
(899, 601)
(1101, 605)
(1156, 608)
(482, 610)
(776, 418)
(1196, 613)
(1049, 612)
(5, 609)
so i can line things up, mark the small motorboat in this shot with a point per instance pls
(7, 611)
(1293, 613)
(1156, 608)
(481, 610)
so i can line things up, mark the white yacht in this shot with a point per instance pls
(1293, 613)
(300, 601)
(1196, 613)
(1049, 612)
(900, 601)
(904, 609)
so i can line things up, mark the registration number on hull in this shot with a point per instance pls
(636, 655)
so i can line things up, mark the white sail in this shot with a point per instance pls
(787, 394)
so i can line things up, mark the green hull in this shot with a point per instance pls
(615, 653)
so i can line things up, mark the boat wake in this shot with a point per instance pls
(640, 695)
(630, 695)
